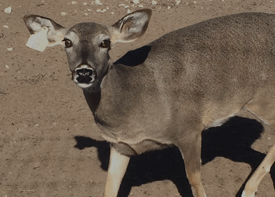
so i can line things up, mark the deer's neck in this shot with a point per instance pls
(108, 105)
(122, 88)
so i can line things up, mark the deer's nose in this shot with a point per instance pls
(84, 74)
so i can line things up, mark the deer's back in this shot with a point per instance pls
(220, 63)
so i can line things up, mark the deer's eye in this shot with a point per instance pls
(105, 44)
(68, 43)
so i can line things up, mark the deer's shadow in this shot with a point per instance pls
(233, 140)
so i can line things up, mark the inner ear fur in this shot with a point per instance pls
(131, 27)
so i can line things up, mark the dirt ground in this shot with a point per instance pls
(49, 144)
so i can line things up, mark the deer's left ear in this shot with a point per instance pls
(131, 26)
(36, 23)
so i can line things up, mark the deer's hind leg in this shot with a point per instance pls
(264, 109)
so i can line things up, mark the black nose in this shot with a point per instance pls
(85, 75)
(85, 72)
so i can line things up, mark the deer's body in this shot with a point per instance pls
(187, 80)
(167, 92)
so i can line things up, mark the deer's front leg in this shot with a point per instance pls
(117, 168)
(191, 153)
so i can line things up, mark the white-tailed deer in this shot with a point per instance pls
(168, 91)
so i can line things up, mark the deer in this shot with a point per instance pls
(168, 91)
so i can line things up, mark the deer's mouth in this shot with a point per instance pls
(84, 76)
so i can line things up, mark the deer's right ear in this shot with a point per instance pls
(130, 27)
(55, 33)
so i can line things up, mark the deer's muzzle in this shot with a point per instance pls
(84, 75)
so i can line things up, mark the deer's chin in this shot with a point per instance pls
(93, 86)
(84, 85)
(82, 82)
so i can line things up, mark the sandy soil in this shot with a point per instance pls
(49, 144)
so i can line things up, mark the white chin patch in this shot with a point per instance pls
(84, 85)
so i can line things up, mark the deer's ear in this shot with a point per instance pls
(55, 33)
(130, 27)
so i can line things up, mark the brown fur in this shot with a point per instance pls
(168, 91)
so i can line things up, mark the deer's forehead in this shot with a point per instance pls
(88, 31)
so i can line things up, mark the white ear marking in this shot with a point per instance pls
(120, 25)
(35, 26)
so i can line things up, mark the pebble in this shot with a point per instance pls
(6, 26)
(123, 5)
(63, 13)
(9, 49)
(177, 2)
(36, 165)
(154, 2)
(74, 2)
(136, 1)
(7, 66)
(99, 10)
(8, 10)
(97, 2)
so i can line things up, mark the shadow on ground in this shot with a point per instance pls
(233, 140)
